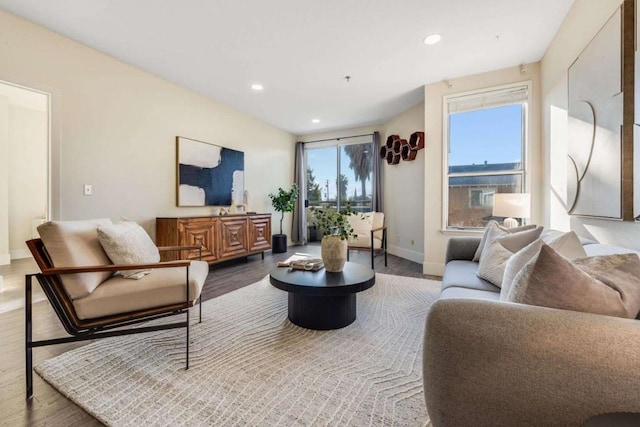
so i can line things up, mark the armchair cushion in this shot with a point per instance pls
(75, 244)
(362, 225)
(118, 295)
(127, 243)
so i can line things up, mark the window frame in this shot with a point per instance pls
(523, 171)
(338, 143)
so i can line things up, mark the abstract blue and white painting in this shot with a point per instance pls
(208, 175)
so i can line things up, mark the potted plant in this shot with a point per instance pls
(338, 231)
(283, 201)
(313, 227)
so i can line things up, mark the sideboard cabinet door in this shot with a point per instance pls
(260, 233)
(233, 236)
(201, 232)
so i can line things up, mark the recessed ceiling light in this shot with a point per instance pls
(432, 38)
(315, 120)
(257, 87)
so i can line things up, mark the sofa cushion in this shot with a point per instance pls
(164, 286)
(497, 253)
(76, 244)
(608, 284)
(457, 292)
(126, 242)
(462, 274)
(494, 230)
(566, 244)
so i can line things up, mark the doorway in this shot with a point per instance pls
(338, 174)
(24, 167)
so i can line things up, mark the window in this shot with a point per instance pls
(484, 153)
(339, 174)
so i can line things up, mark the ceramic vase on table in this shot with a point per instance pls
(334, 253)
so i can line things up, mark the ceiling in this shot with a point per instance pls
(301, 50)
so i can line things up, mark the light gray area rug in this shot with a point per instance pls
(251, 366)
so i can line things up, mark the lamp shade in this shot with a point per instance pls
(512, 205)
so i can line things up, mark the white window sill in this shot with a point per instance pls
(463, 231)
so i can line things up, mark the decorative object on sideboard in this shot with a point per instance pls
(511, 206)
(207, 174)
(397, 148)
(283, 201)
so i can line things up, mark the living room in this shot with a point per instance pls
(114, 126)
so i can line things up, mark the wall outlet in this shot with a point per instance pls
(88, 190)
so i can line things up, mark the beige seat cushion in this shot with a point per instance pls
(362, 225)
(76, 244)
(364, 241)
(163, 287)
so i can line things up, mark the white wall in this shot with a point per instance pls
(435, 239)
(404, 190)
(114, 126)
(584, 20)
(5, 258)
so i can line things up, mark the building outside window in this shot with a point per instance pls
(484, 153)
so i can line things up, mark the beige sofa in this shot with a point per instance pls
(492, 363)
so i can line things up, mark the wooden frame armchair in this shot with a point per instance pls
(82, 329)
(371, 234)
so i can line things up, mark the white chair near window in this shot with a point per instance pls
(371, 234)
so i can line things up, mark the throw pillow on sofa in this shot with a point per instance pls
(566, 244)
(498, 252)
(492, 231)
(607, 284)
(127, 243)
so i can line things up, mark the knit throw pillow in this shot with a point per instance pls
(127, 243)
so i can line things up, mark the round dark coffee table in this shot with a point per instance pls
(322, 300)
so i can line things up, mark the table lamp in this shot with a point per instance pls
(510, 206)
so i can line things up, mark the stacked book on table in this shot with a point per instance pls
(302, 262)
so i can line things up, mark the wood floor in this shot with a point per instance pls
(48, 407)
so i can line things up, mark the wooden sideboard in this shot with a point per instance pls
(221, 237)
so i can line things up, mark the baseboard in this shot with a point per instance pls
(20, 253)
(406, 254)
(5, 259)
(433, 268)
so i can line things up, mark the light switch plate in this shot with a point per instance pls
(88, 190)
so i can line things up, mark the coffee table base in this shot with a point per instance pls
(322, 313)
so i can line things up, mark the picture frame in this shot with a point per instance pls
(208, 174)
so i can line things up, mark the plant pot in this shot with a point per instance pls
(279, 243)
(312, 234)
(334, 253)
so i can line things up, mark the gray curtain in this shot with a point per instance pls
(299, 225)
(378, 199)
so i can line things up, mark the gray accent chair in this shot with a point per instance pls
(492, 363)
